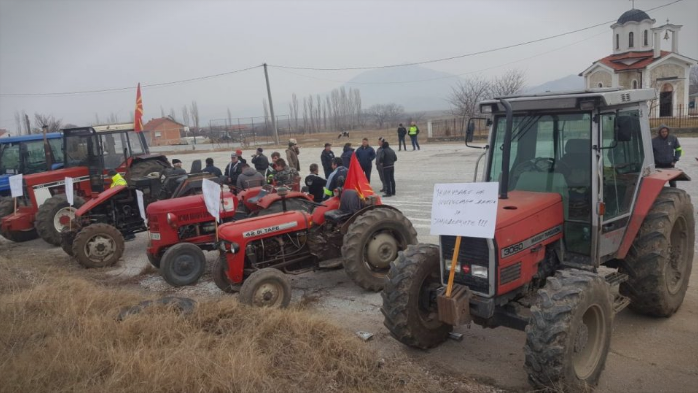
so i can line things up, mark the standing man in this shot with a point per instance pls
(379, 164)
(233, 170)
(249, 178)
(271, 170)
(260, 161)
(212, 169)
(667, 150)
(388, 158)
(315, 183)
(413, 132)
(292, 155)
(346, 155)
(401, 132)
(365, 154)
(326, 158)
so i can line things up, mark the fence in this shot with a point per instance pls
(681, 116)
(248, 131)
(455, 128)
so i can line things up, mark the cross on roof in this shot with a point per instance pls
(633, 1)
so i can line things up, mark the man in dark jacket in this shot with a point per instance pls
(326, 158)
(365, 154)
(260, 161)
(346, 155)
(401, 132)
(379, 164)
(233, 170)
(339, 170)
(315, 183)
(667, 150)
(215, 171)
(292, 155)
(249, 178)
(388, 158)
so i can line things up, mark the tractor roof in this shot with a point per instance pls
(113, 127)
(27, 138)
(570, 100)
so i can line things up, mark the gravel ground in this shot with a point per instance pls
(647, 354)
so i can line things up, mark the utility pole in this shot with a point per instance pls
(26, 120)
(271, 106)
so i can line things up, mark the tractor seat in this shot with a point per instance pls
(349, 204)
(337, 216)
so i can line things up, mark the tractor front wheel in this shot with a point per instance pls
(372, 242)
(98, 245)
(182, 264)
(220, 278)
(661, 257)
(409, 298)
(569, 333)
(54, 215)
(67, 240)
(7, 206)
(267, 287)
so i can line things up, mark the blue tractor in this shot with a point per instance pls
(25, 154)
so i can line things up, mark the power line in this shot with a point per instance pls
(458, 56)
(117, 89)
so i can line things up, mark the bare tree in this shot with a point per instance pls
(27, 123)
(230, 118)
(385, 114)
(194, 113)
(509, 83)
(18, 123)
(467, 94)
(97, 118)
(294, 109)
(53, 124)
(416, 117)
(113, 118)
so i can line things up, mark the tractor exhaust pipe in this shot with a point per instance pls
(506, 151)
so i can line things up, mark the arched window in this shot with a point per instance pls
(630, 40)
(617, 41)
(646, 38)
(600, 84)
(634, 84)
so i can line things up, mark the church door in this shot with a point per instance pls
(666, 101)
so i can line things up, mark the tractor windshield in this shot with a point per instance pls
(550, 153)
(138, 146)
(9, 159)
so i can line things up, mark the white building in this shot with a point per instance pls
(638, 62)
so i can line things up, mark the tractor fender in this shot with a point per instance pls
(650, 187)
(345, 226)
(265, 201)
(101, 198)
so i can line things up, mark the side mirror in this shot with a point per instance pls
(470, 130)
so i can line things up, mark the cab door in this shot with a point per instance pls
(622, 157)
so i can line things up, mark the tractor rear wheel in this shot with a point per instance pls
(219, 277)
(182, 264)
(7, 206)
(409, 300)
(98, 245)
(569, 333)
(372, 242)
(267, 287)
(54, 215)
(148, 168)
(154, 260)
(67, 239)
(661, 257)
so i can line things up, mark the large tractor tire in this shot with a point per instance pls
(7, 207)
(220, 279)
(661, 257)
(372, 242)
(154, 260)
(98, 245)
(569, 333)
(54, 215)
(409, 301)
(182, 264)
(267, 287)
(67, 239)
(148, 168)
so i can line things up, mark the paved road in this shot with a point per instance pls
(647, 354)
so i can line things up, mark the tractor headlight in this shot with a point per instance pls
(172, 220)
(226, 246)
(479, 271)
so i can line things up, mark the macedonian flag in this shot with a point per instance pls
(356, 179)
(138, 117)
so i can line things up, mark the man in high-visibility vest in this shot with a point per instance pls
(116, 179)
(413, 132)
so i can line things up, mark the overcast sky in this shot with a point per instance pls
(66, 46)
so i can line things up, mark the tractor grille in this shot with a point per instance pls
(473, 251)
(510, 273)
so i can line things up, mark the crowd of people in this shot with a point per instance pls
(285, 172)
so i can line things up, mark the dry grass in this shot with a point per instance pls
(60, 334)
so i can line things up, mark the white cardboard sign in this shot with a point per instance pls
(465, 209)
(16, 186)
(69, 190)
(212, 197)
(141, 205)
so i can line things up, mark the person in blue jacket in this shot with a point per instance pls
(365, 154)
(346, 155)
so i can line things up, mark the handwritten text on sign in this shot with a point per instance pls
(464, 209)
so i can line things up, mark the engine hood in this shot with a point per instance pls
(524, 205)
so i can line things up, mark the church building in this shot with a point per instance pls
(638, 62)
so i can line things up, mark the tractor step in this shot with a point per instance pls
(620, 302)
(616, 278)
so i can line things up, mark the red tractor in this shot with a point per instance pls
(181, 229)
(256, 252)
(585, 227)
(88, 154)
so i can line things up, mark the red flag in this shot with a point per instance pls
(138, 117)
(356, 179)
